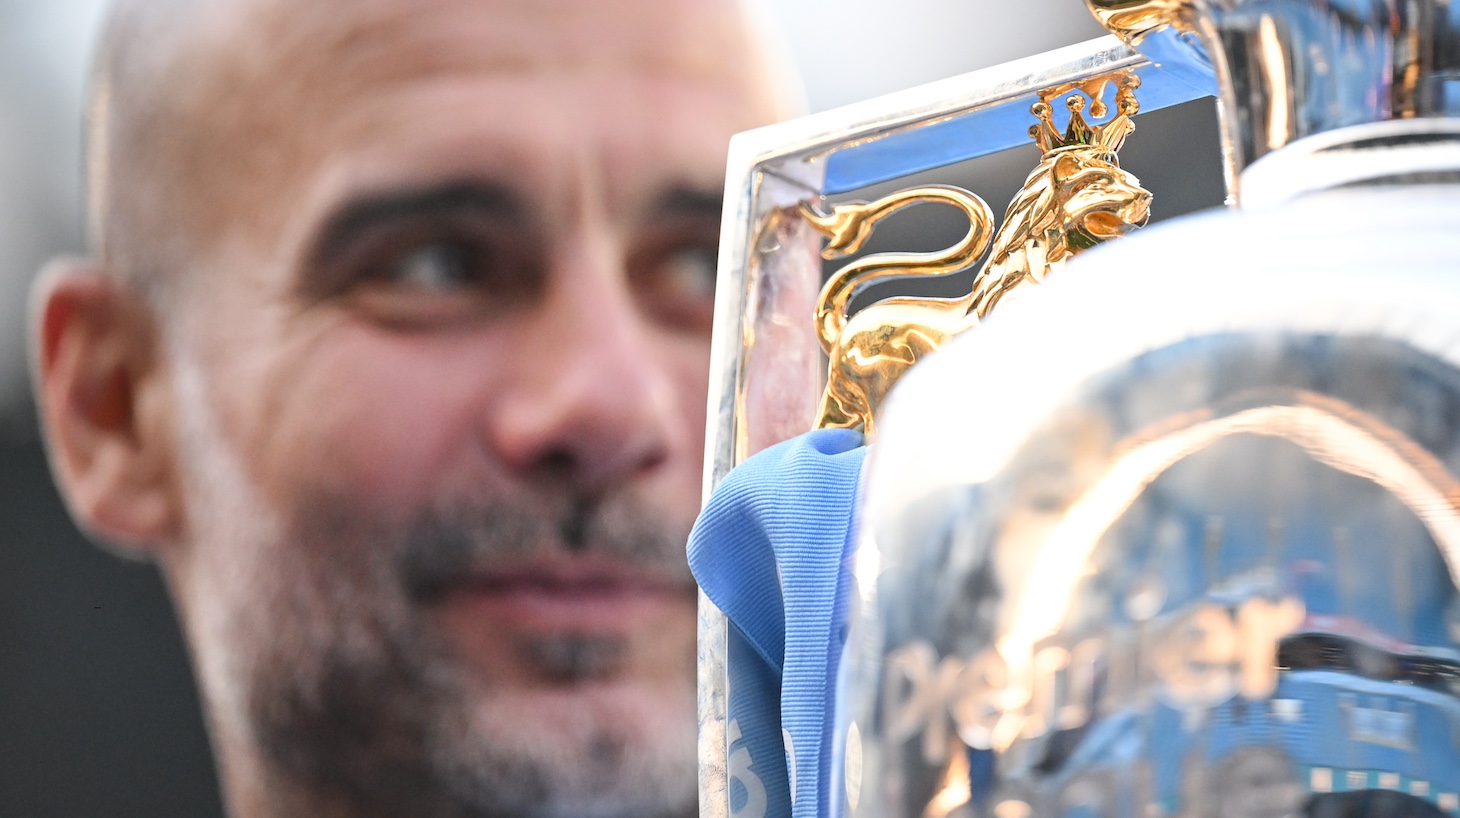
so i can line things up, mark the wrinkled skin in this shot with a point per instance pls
(414, 426)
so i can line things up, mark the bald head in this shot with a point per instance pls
(132, 95)
(420, 456)
(200, 108)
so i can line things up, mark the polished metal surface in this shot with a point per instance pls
(766, 367)
(1176, 541)
(1291, 69)
(1406, 151)
(711, 656)
(1179, 536)
(1337, 126)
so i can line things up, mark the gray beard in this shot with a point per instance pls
(316, 663)
(365, 702)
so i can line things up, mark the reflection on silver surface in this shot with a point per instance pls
(710, 709)
(1291, 69)
(1190, 562)
(1338, 85)
(1302, 68)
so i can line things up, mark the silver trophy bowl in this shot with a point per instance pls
(1178, 534)
(1174, 562)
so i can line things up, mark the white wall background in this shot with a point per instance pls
(849, 50)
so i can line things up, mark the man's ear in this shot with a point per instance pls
(101, 382)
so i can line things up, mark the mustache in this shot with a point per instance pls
(446, 546)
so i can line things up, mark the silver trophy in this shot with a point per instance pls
(1205, 564)
(774, 376)
(1176, 533)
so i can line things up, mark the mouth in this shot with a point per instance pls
(566, 595)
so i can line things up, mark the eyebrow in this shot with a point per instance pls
(689, 201)
(360, 216)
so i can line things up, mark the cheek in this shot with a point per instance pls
(690, 361)
(387, 419)
(667, 650)
(374, 415)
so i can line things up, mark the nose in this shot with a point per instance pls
(595, 401)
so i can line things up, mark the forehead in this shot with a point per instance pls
(540, 90)
(367, 42)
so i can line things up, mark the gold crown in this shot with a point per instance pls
(1109, 136)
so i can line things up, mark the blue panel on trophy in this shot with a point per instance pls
(992, 128)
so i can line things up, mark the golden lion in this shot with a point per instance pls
(1077, 197)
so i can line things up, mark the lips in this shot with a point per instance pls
(584, 595)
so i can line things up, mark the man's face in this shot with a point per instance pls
(441, 364)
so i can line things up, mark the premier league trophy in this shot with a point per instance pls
(1175, 531)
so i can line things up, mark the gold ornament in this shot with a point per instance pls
(1076, 197)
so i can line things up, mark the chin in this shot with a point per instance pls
(602, 747)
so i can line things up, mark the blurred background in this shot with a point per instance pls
(98, 713)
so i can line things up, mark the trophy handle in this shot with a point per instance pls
(868, 356)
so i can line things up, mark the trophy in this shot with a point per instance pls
(1169, 528)
(787, 350)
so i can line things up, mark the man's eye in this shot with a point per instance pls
(438, 283)
(689, 273)
(438, 267)
(678, 285)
